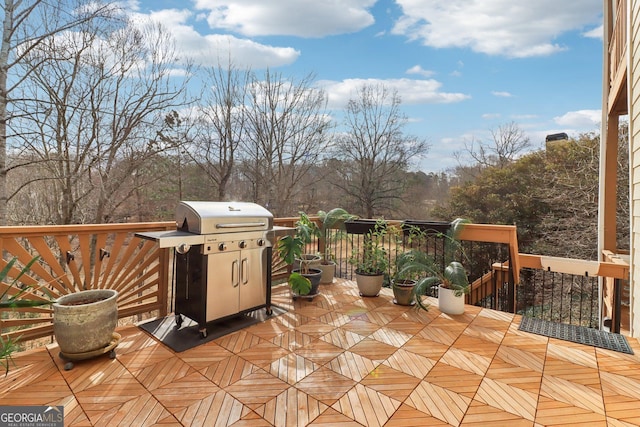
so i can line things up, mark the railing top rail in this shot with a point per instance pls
(40, 230)
(575, 266)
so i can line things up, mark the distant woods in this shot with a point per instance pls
(551, 195)
(107, 123)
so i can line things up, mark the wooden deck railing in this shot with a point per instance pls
(76, 257)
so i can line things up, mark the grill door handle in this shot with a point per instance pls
(241, 225)
(245, 271)
(234, 274)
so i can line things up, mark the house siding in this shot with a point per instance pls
(633, 84)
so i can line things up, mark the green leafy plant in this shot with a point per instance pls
(333, 219)
(453, 276)
(412, 265)
(292, 248)
(300, 285)
(14, 296)
(406, 236)
(371, 258)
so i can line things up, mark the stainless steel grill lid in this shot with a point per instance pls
(222, 217)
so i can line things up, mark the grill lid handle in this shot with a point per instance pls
(241, 225)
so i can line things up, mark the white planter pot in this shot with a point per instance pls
(328, 272)
(449, 303)
(369, 286)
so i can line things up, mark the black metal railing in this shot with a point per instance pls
(558, 297)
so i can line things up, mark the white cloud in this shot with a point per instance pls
(490, 116)
(411, 92)
(581, 120)
(303, 18)
(596, 33)
(215, 49)
(496, 27)
(501, 94)
(417, 69)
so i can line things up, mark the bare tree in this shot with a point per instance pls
(94, 113)
(508, 142)
(220, 125)
(26, 25)
(287, 131)
(374, 150)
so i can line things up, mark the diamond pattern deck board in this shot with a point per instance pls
(342, 360)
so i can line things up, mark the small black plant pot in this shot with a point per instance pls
(314, 277)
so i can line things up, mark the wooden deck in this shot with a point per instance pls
(342, 360)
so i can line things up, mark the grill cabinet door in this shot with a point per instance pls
(223, 284)
(253, 291)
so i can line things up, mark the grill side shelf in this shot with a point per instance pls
(172, 239)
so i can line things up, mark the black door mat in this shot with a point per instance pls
(188, 335)
(577, 334)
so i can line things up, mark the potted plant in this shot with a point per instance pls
(406, 269)
(83, 322)
(371, 260)
(307, 230)
(450, 276)
(305, 280)
(334, 219)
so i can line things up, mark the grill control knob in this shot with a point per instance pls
(222, 247)
(242, 244)
(183, 248)
(260, 242)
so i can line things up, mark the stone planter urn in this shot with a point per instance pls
(84, 321)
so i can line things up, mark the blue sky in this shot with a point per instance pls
(461, 67)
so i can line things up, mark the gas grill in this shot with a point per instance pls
(223, 253)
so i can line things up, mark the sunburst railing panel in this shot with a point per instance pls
(78, 257)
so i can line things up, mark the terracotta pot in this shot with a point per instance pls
(368, 285)
(449, 303)
(403, 292)
(84, 321)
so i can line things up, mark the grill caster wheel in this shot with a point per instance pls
(203, 333)
(112, 354)
(178, 320)
(269, 311)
